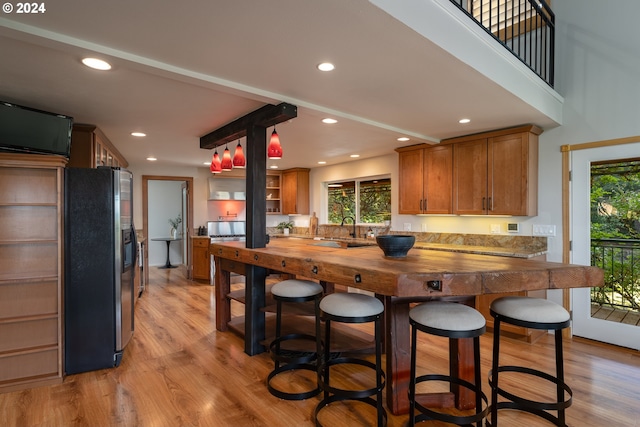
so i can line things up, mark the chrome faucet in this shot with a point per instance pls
(354, 225)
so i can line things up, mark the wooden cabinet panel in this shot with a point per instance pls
(470, 177)
(410, 174)
(496, 173)
(295, 191)
(513, 173)
(201, 258)
(31, 205)
(438, 176)
(425, 180)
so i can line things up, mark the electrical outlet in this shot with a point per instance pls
(424, 228)
(407, 226)
(495, 228)
(544, 230)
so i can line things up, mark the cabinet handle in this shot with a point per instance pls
(425, 205)
(420, 205)
(483, 202)
(490, 204)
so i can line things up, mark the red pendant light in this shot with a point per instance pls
(227, 164)
(274, 151)
(238, 157)
(215, 167)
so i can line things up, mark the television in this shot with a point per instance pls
(27, 130)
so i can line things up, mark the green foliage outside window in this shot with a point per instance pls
(615, 232)
(371, 206)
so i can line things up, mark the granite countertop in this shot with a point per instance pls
(448, 247)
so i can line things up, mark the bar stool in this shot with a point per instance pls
(451, 320)
(351, 308)
(534, 313)
(290, 291)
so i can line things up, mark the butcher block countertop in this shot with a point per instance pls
(423, 272)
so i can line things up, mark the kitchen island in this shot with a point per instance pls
(422, 275)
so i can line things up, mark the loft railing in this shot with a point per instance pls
(620, 260)
(525, 27)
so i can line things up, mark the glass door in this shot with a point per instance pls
(584, 324)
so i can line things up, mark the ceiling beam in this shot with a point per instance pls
(266, 116)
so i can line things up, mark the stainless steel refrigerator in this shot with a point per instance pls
(99, 261)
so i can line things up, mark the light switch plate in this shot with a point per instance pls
(544, 230)
(495, 228)
(407, 226)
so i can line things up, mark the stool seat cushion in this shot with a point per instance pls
(447, 316)
(294, 288)
(528, 309)
(346, 304)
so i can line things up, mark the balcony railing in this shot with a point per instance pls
(525, 27)
(620, 260)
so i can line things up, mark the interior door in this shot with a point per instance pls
(583, 324)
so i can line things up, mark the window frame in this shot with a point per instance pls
(357, 182)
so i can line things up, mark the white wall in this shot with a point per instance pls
(200, 187)
(165, 202)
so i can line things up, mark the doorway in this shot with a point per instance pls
(185, 209)
(584, 324)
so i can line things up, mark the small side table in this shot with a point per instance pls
(168, 240)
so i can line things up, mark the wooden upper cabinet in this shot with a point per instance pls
(295, 191)
(91, 148)
(470, 177)
(425, 185)
(496, 173)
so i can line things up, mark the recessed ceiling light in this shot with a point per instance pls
(403, 139)
(96, 64)
(326, 66)
(138, 134)
(354, 155)
(322, 162)
(273, 167)
(206, 163)
(463, 121)
(151, 159)
(329, 121)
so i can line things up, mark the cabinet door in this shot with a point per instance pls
(410, 182)
(437, 182)
(295, 192)
(470, 177)
(201, 262)
(509, 175)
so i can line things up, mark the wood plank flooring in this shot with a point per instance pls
(179, 371)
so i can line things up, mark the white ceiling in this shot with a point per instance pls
(184, 69)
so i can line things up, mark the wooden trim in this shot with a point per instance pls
(145, 211)
(492, 134)
(604, 143)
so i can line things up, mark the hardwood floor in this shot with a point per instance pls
(179, 371)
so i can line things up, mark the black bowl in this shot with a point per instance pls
(395, 245)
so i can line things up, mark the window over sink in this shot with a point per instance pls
(363, 200)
